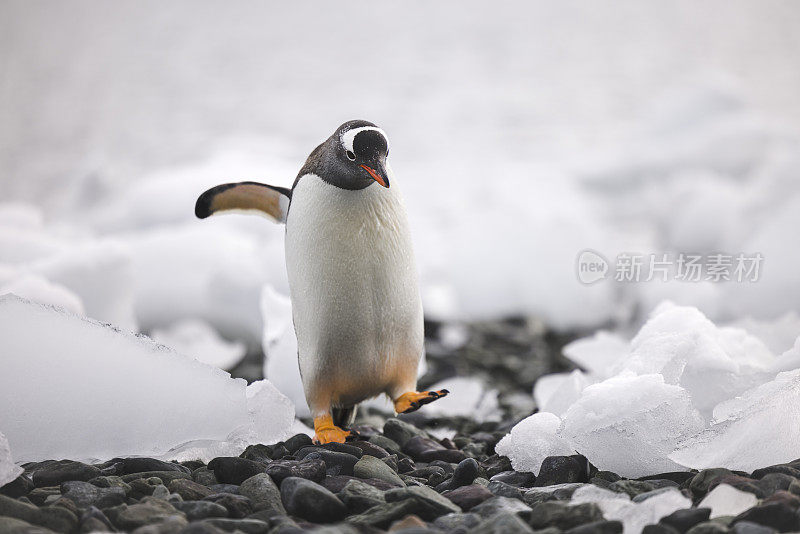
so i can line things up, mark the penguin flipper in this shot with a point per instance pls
(255, 197)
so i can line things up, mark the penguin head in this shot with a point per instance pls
(354, 157)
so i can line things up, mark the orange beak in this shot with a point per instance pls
(375, 176)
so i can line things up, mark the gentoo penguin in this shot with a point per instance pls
(352, 277)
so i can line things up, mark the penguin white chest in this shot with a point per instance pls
(355, 296)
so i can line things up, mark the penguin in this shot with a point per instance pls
(353, 282)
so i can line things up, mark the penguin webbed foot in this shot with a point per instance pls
(326, 432)
(414, 400)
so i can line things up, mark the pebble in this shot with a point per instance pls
(496, 504)
(313, 470)
(563, 516)
(238, 506)
(53, 473)
(371, 467)
(683, 520)
(52, 517)
(196, 510)
(310, 501)
(84, 494)
(263, 494)
(504, 522)
(562, 470)
(359, 496)
(234, 470)
(146, 512)
(189, 490)
(778, 516)
(467, 497)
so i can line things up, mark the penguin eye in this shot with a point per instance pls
(350, 155)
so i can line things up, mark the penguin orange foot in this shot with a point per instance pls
(413, 400)
(326, 432)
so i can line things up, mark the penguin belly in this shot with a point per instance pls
(355, 296)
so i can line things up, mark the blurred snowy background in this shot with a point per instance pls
(522, 134)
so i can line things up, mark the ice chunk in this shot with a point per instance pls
(469, 397)
(789, 360)
(556, 392)
(629, 424)
(199, 340)
(761, 427)
(75, 388)
(8, 469)
(599, 353)
(727, 500)
(38, 289)
(280, 348)
(532, 440)
(711, 363)
(634, 516)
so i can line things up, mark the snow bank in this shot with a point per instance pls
(8, 469)
(76, 388)
(683, 392)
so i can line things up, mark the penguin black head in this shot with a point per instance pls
(353, 158)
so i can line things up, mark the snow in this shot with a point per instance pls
(39, 289)
(725, 500)
(532, 440)
(757, 429)
(634, 516)
(8, 469)
(628, 424)
(199, 340)
(75, 388)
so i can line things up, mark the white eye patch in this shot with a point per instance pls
(349, 136)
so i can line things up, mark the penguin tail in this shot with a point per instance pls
(344, 417)
(245, 197)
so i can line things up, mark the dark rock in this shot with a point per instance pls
(39, 496)
(659, 528)
(652, 493)
(84, 494)
(384, 443)
(259, 453)
(631, 487)
(431, 504)
(52, 517)
(465, 473)
(144, 465)
(165, 477)
(495, 465)
(741, 483)
(405, 464)
(234, 470)
(371, 467)
(428, 472)
(201, 527)
(248, 526)
(140, 488)
(263, 493)
(598, 527)
(678, 477)
(702, 481)
(399, 432)
(171, 525)
(789, 499)
(22, 485)
(53, 473)
(204, 476)
(608, 476)
(467, 497)
(502, 489)
(309, 500)
(562, 516)
(456, 523)
(370, 448)
(708, 527)
(516, 478)
(776, 515)
(11, 525)
(559, 492)
(391, 461)
(562, 470)
(683, 520)
(189, 489)
(425, 449)
(94, 520)
(147, 512)
(337, 483)
(196, 510)
(297, 442)
(495, 505)
(772, 482)
(746, 527)
(410, 524)
(502, 523)
(224, 488)
(336, 463)
(313, 470)
(359, 496)
(782, 469)
(346, 448)
(238, 506)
